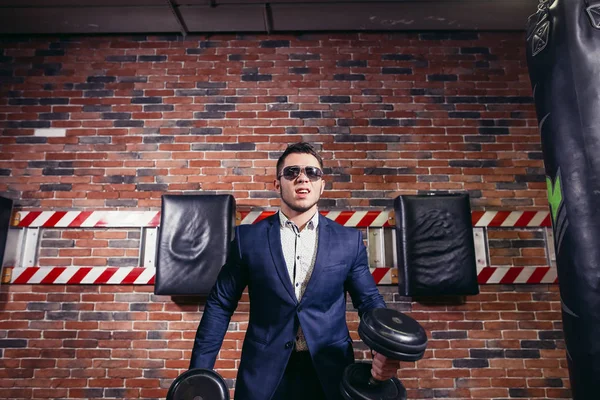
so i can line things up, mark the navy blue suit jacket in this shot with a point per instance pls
(256, 260)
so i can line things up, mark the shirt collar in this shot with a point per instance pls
(312, 223)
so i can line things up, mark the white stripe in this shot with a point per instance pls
(94, 273)
(94, 217)
(39, 275)
(512, 218)
(146, 276)
(550, 276)
(251, 217)
(486, 218)
(66, 275)
(121, 274)
(41, 219)
(67, 219)
(524, 275)
(381, 219)
(538, 218)
(498, 275)
(355, 218)
(332, 215)
(387, 278)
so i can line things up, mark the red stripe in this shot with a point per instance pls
(106, 275)
(525, 218)
(263, 215)
(368, 219)
(79, 275)
(344, 217)
(26, 275)
(538, 275)
(547, 222)
(511, 275)
(499, 218)
(379, 273)
(151, 281)
(80, 219)
(132, 276)
(29, 218)
(476, 216)
(485, 274)
(56, 216)
(155, 221)
(51, 277)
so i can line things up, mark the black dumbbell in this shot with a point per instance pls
(392, 334)
(198, 384)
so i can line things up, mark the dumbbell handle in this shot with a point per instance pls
(374, 382)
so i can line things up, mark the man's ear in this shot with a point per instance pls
(322, 187)
(276, 184)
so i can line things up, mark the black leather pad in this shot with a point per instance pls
(436, 251)
(5, 215)
(193, 241)
(198, 384)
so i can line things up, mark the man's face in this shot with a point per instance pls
(300, 194)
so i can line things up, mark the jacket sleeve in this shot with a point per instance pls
(360, 283)
(220, 305)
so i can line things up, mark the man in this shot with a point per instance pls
(298, 266)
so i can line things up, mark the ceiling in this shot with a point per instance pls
(206, 16)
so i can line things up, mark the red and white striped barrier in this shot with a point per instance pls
(521, 275)
(359, 219)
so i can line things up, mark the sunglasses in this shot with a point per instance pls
(294, 171)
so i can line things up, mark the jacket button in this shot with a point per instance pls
(289, 345)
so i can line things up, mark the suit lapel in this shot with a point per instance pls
(323, 253)
(278, 258)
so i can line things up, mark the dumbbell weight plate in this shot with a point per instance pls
(356, 385)
(198, 384)
(393, 334)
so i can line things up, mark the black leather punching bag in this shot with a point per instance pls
(563, 54)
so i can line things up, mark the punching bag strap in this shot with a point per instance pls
(592, 7)
(538, 28)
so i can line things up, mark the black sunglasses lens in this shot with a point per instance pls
(291, 172)
(313, 172)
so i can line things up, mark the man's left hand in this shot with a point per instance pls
(384, 368)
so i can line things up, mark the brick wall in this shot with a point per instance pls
(399, 113)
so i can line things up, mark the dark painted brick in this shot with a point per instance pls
(530, 178)
(184, 123)
(304, 57)
(334, 99)
(42, 164)
(96, 108)
(470, 363)
(211, 85)
(433, 178)
(5, 172)
(442, 78)
(485, 353)
(352, 63)
(49, 53)
(128, 124)
(520, 393)
(209, 115)
(59, 243)
(384, 122)
(58, 171)
(54, 116)
(283, 107)
(116, 115)
(159, 108)
(124, 244)
(152, 58)
(522, 353)
(398, 57)
(461, 99)
(121, 203)
(191, 92)
(305, 114)
(396, 71)
(158, 139)
(99, 93)
(220, 107)
(482, 64)
(101, 79)
(206, 131)
(350, 138)
(551, 335)
(538, 344)
(12, 343)
(281, 99)
(146, 100)
(256, 78)
(449, 334)
(464, 114)
(54, 101)
(94, 139)
(511, 186)
(119, 179)
(239, 146)
(349, 77)
(298, 70)
(31, 139)
(121, 58)
(133, 79)
(115, 393)
(505, 100)
(194, 51)
(493, 131)
(210, 44)
(95, 316)
(152, 187)
(58, 187)
(123, 262)
(23, 102)
(207, 147)
(271, 44)
(88, 86)
(465, 163)
(234, 57)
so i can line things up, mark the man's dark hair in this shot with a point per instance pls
(301, 147)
